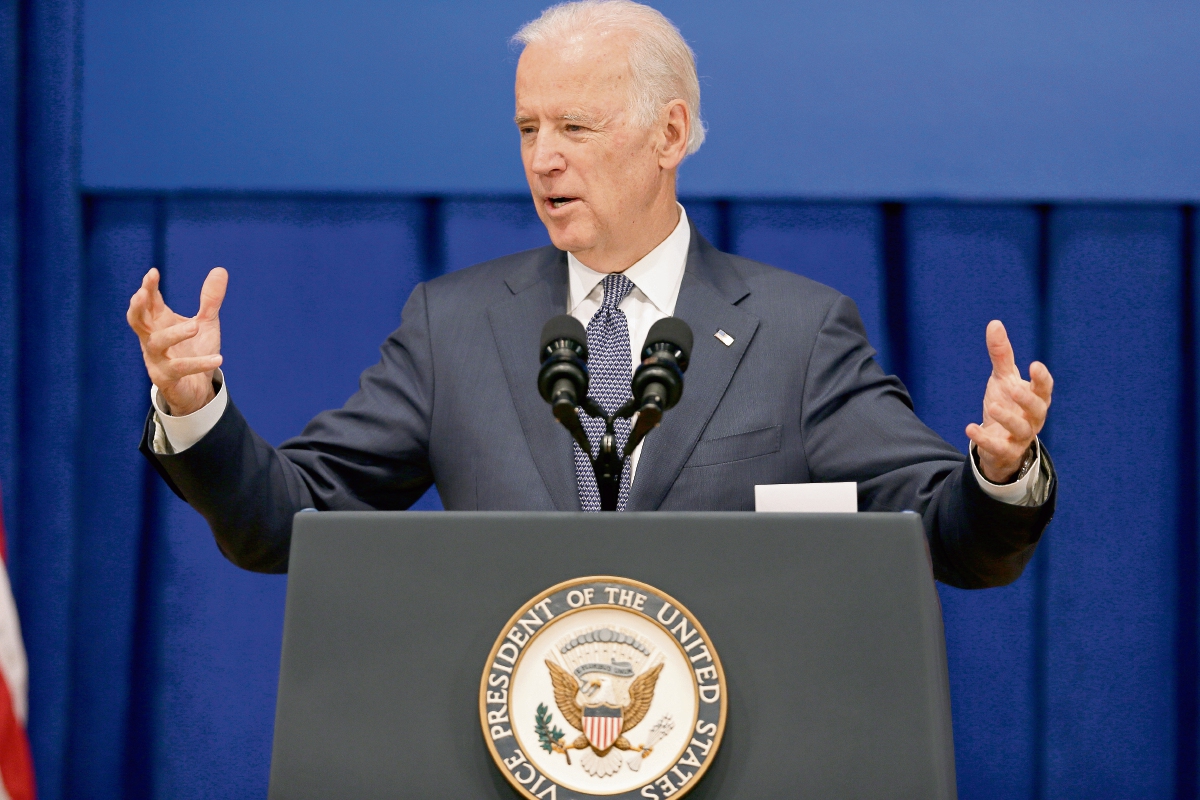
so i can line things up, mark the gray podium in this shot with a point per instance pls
(828, 626)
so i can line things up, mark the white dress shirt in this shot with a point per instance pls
(656, 279)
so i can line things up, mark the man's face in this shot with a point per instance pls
(592, 168)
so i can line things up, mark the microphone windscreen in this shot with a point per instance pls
(673, 330)
(564, 326)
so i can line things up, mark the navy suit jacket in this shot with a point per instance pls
(796, 397)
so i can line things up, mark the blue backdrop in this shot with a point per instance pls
(1062, 99)
(154, 661)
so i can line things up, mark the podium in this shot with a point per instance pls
(828, 629)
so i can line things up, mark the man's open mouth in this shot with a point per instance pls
(559, 202)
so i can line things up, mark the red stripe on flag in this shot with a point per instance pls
(16, 763)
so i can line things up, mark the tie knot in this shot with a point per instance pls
(616, 286)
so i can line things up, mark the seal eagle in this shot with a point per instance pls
(590, 704)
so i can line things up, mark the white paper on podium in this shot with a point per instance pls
(807, 497)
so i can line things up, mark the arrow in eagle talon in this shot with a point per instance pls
(657, 733)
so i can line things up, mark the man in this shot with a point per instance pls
(782, 387)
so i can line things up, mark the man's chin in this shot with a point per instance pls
(570, 237)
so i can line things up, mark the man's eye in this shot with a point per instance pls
(526, 131)
(574, 128)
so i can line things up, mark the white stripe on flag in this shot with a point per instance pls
(12, 651)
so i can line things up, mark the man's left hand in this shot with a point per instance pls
(1014, 409)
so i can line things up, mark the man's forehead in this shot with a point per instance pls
(562, 83)
(573, 65)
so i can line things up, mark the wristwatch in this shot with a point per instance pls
(1026, 463)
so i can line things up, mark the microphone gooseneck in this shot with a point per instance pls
(657, 386)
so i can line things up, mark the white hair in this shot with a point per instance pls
(662, 64)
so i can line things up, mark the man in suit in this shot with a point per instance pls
(782, 386)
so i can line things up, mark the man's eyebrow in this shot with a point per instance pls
(579, 116)
(570, 116)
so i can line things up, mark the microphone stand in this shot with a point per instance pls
(658, 382)
(608, 464)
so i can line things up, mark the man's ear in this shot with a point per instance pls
(676, 123)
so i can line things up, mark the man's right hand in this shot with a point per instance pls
(181, 353)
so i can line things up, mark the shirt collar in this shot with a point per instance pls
(658, 274)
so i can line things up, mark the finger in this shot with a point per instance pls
(1034, 406)
(1041, 381)
(147, 302)
(1000, 350)
(136, 315)
(985, 438)
(991, 440)
(174, 369)
(1013, 421)
(212, 294)
(152, 283)
(161, 340)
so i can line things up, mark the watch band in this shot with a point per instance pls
(1027, 461)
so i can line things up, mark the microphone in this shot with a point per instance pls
(657, 386)
(658, 381)
(563, 378)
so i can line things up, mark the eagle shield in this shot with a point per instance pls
(602, 725)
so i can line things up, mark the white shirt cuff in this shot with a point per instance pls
(176, 434)
(1028, 490)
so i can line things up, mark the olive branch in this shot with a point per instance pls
(550, 737)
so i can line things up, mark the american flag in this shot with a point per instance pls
(16, 764)
(602, 725)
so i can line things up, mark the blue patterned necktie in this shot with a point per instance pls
(610, 366)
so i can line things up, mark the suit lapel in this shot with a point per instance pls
(707, 302)
(539, 292)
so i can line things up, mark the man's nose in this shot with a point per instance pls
(546, 158)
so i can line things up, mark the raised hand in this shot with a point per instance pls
(180, 352)
(1014, 410)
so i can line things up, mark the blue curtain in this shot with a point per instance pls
(1078, 680)
(43, 356)
(154, 661)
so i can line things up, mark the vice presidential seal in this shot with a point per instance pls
(603, 687)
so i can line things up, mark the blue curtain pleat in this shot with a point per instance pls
(968, 265)
(49, 372)
(1114, 349)
(10, 308)
(119, 248)
(1187, 769)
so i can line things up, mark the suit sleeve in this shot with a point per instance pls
(373, 453)
(858, 425)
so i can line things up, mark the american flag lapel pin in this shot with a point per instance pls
(723, 337)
